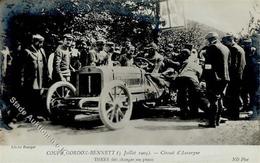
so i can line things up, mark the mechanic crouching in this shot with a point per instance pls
(188, 82)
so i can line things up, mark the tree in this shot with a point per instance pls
(111, 19)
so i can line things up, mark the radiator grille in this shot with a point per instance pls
(90, 85)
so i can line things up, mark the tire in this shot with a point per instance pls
(115, 106)
(55, 94)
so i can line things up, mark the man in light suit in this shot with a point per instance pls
(35, 75)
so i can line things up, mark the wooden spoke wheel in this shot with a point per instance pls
(115, 105)
(55, 97)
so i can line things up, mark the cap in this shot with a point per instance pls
(152, 46)
(131, 48)
(170, 45)
(211, 35)
(100, 41)
(110, 43)
(38, 37)
(67, 35)
(60, 42)
(117, 48)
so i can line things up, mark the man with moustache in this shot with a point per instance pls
(35, 75)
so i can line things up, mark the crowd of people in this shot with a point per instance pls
(225, 69)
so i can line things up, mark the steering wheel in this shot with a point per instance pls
(143, 63)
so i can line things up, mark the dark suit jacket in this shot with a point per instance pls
(238, 62)
(218, 56)
(31, 69)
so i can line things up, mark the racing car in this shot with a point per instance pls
(106, 91)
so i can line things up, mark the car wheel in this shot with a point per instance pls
(55, 95)
(115, 105)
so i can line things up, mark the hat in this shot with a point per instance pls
(247, 40)
(229, 35)
(211, 35)
(227, 39)
(186, 52)
(67, 35)
(117, 52)
(38, 37)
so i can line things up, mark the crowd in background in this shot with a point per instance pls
(226, 69)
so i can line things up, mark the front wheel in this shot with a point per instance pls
(115, 105)
(56, 95)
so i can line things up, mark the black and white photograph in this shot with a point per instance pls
(138, 73)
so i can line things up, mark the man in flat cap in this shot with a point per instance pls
(236, 70)
(35, 74)
(216, 73)
(62, 58)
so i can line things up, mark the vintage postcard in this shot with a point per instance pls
(129, 81)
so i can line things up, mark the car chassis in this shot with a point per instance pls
(106, 91)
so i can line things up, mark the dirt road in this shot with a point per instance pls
(145, 131)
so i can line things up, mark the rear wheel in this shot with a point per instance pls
(115, 105)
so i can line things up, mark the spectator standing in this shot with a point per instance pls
(250, 76)
(216, 73)
(87, 56)
(75, 57)
(127, 59)
(4, 116)
(110, 48)
(101, 55)
(236, 71)
(5, 60)
(35, 75)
